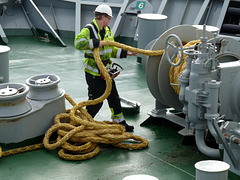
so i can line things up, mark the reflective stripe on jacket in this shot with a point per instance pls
(88, 39)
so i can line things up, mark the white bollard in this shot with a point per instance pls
(211, 169)
(140, 177)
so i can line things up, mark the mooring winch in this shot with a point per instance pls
(206, 90)
(27, 111)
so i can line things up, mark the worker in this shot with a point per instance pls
(90, 37)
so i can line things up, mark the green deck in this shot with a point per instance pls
(165, 158)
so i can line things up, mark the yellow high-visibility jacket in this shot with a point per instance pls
(88, 39)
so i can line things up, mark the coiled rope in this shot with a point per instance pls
(78, 134)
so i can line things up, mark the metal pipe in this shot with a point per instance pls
(212, 87)
(212, 130)
(203, 148)
(232, 138)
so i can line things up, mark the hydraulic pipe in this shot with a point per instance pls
(203, 148)
(212, 130)
(212, 87)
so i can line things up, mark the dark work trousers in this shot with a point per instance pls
(96, 88)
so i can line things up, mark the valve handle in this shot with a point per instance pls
(178, 49)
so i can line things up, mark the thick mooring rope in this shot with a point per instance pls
(78, 134)
(21, 150)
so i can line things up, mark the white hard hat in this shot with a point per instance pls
(104, 8)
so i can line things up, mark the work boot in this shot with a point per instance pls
(128, 128)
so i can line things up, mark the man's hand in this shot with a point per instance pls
(129, 53)
(101, 44)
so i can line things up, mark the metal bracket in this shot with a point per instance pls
(225, 144)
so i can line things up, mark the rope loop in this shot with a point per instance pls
(80, 137)
(78, 134)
